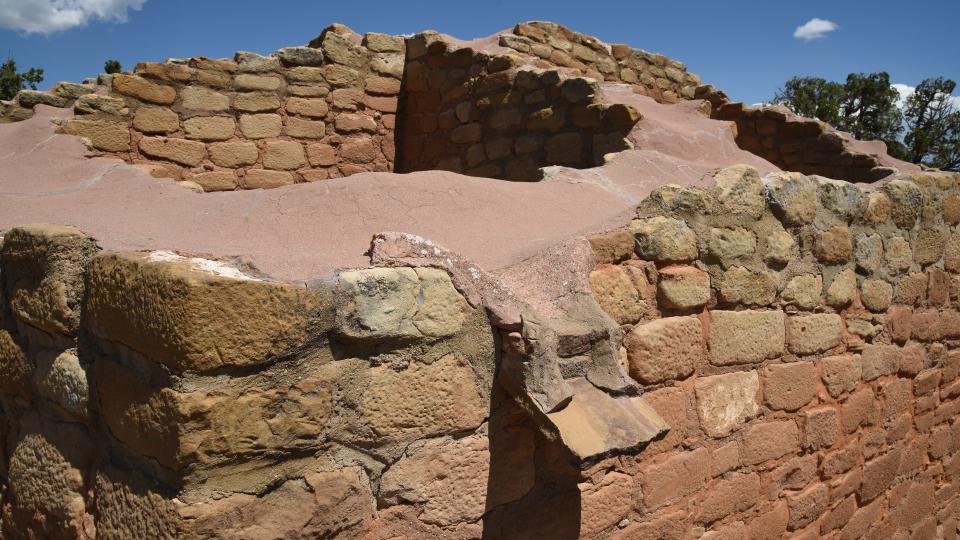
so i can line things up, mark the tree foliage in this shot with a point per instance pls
(12, 81)
(865, 105)
(112, 66)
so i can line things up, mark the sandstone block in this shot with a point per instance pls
(144, 90)
(665, 240)
(680, 475)
(808, 505)
(260, 126)
(879, 473)
(745, 337)
(321, 155)
(810, 334)
(737, 493)
(780, 245)
(305, 129)
(860, 409)
(283, 155)
(898, 254)
(740, 190)
(94, 103)
(60, 378)
(683, 288)
(789, 386)
(821, 428)
(741, 286)
(256, 102)
(868, 253)
(300, 56)
(906, 200)
(202, 99)
(184, 152)
(382, 86)
(359, 150)
(306, 75)
(834, 245)
(209, 128)
(725, 402)
(928, 247)
(106, 135)
(264, 179)
(189, 317)
(313, 108)
(341, 50)
(621, 292)
(840, 373)
(664, 349)
(769, 440)
(803, 291)
(730, 244)
(43, 267)
(383, 42)
(156, 120)
(843, 290)
(246, 81)
(352, 123)
(876, 295)
(216, 180)
(793, 198)
(233, 154)
(399, 303)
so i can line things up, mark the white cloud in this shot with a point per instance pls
(47, 16)
(814, 29)
(906, 91)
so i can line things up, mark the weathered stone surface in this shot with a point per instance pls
(683, 288)
(803, 291)
(94, 103)
(184, 152)
(314, 108)
(305, 129)
(300, 56)
(191, 315)
(156, 120)
(809, 334)
(621, 292)
(61, 379)
(780, 245)
(843, 290)
(876, 294)
(745, 337)
(725, 402)
(209, 128)
(834, 245)
(906, 199)
(283, 155)
(793, 197)
(769, 440)
(738, 285)
(43, 270)
(106, 135)
(264, 179)
(246, 81)
(740, 190)
(789, 386)
(216, 180)
(198, 98)
(399, 303)
(142, 89)
(256, 102)
(260, 126)
(233, 154)
(664, 349)
(665, 240)
(840, 373)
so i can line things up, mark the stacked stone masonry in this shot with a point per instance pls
(470, 112)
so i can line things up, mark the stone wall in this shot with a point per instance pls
(799, 336)
(552, 44)
(300, 114)
(794, 143)
(467, 111)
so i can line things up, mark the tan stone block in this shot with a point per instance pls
(840, 373)
(163, 70)
(189, 317)
(305, 129)
(809, 334)
(665, 240)
(789, 386)
(306, 74)
(793, 197)
(233, 154)
(264, 179)
(384, 104)
(664, 349)
(156, 120)
(210, 128)
(216, 180)
(321, 155)
(144, 90)
(746, 337)
(256, 102)
(384, 86)
(400, 303)
(308, 91)
(43, 267)
(182, 151)
(803, 291)
(770, 440)
(198, 98)
(876, 294)
(283, 155)
(383, 42)
(725, 402)
(352, 123)
(843, 290)
(60, 378)
(359, 150)
(106, 135)
(246, 81)
(94, 103)
(740, 190)
(314, 108)
(739, 285)
(346, 98)
(834, 245)
(341, 76)
(780, 246)
(261, 126)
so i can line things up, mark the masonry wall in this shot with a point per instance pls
(799, 337)
(792, 142)
(482, 115)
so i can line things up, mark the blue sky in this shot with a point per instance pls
(746, 48)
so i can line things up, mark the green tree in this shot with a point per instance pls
(869, 108)
(112, 66)
(812, 97)
(12, 81)
(933, 125)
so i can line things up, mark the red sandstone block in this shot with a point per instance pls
(898, 428)
(860, 409)
(879, 473)
(668, 527)
(914, 455)
(807, 505)
(941, 442)
(731, 531)
(951, 367)
(725, 497)
(839, 515)
(841, 460)
(927, 381)
(897, 397)
(919, 503)
(771, 523)
(821, 427)
(861, 520)
(789, 386)
(912, 359)
(923, 422)
(770, 440)
(950, 391)
(845, 485)
(678, 476)
(900, 323)
(726, 458)
(671, 404)
(938, 287)
(795, 474)
(872, 441)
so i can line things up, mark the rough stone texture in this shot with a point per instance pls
(664, 349)
(665, 240)
(789, 386)
(808, 334)
(683, 288)
(745, 337)
(725, 402)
